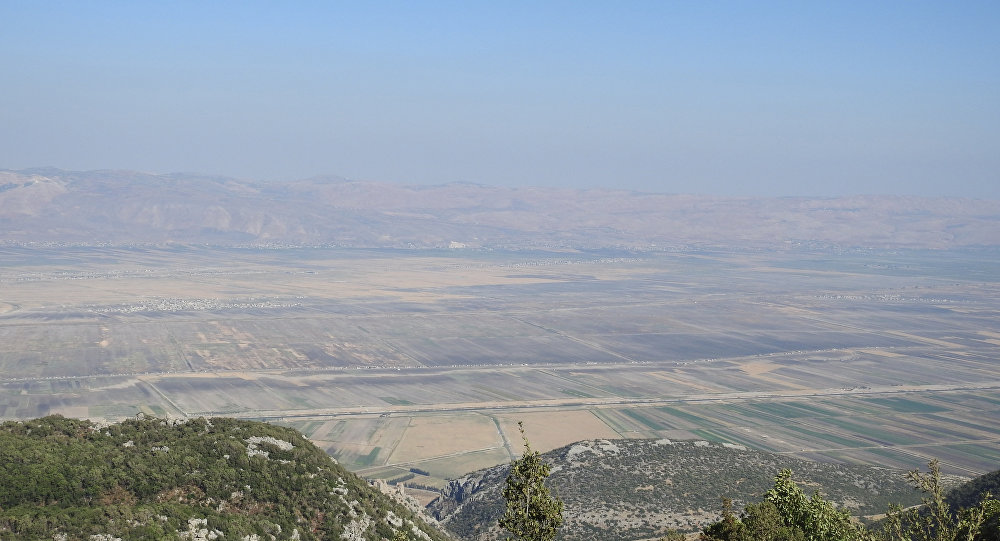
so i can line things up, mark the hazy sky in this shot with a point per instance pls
(740, 98)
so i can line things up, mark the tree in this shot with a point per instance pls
(532, 513)
(936, 520)
(817, 518)
(787, 514)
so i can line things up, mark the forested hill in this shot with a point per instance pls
(152, 478)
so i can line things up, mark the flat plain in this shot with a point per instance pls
(421, 362)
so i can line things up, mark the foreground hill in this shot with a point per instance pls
(120, 207)
(203, 479)
(970, 493)
(637, 489)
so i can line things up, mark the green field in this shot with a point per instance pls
(399, 359)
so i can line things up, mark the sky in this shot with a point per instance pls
(762, 98)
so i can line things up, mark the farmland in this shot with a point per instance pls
(395, 360)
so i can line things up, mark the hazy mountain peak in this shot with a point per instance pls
(50, 205)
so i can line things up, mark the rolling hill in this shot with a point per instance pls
(637, 489)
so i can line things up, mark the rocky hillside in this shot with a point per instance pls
(635, 489)
(202, 479)
(122, 207)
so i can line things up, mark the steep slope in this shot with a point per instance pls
(636, 489)
(204, 479)
(971, 493)
(122, 207)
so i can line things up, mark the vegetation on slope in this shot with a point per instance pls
(970, 494)
(640, 489)
(786, 514)
(151, 478)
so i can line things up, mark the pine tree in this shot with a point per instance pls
(532, 513)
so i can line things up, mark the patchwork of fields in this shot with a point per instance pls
(417, 364)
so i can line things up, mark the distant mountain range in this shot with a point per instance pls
(122, 207)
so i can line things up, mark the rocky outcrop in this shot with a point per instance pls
(459, 491)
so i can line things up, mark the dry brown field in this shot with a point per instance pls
(392, 360)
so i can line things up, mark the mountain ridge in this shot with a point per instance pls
(122, 207)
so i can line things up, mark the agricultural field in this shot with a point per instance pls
(418, 364)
